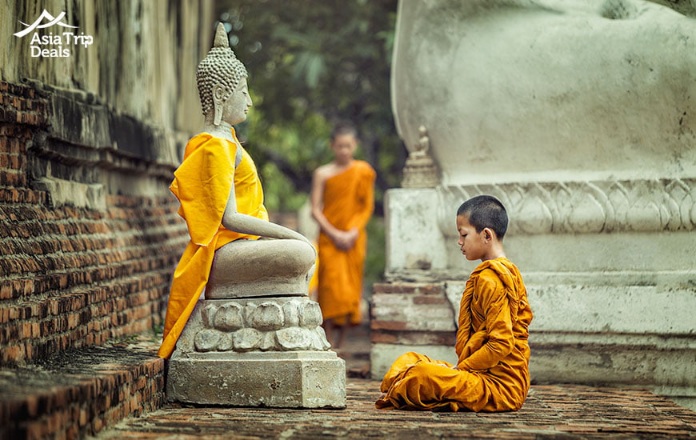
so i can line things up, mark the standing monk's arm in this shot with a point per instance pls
(336, 235)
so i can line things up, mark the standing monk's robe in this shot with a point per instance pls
(492, 372)
(202, 184)
(348, 203)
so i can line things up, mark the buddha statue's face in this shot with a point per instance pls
(235, 109)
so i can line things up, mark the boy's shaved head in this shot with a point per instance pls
(343, 128)
(485, 212)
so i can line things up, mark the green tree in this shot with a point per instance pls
(311, 64)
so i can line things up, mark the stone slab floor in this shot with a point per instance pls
(551, 411)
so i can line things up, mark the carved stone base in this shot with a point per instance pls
(267, 351)
(307, 379)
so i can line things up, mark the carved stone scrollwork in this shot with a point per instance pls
(584, 207)
(270, 324)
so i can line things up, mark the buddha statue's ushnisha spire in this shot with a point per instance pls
(221, 39)
(219, 68)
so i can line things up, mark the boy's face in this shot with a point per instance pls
(343, 146)
(474, 245)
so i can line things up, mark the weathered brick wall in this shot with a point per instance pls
(70, 397)
(412, 314)
(74, 276)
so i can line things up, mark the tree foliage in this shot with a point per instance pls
(313, 63)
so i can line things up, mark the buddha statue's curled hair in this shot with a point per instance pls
(219, 67)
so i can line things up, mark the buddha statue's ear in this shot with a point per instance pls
(218, 103)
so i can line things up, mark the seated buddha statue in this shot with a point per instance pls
(234, 251)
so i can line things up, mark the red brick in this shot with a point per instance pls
(97, 424)
(432, 289)
(393, 288)
(6, 291)
(387, 325)
(37, 430)
(430, 300)
(412, 337)
(377, 337)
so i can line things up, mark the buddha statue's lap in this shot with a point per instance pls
(247, 268)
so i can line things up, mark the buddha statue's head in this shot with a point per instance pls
(219, 75)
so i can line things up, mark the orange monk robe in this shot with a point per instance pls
(202, 184)
(348, 203)
(314, 280)
(492, 373)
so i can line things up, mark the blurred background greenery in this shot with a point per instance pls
(311, 64)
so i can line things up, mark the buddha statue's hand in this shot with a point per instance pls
(247, 224)
(297, 236)
(283, 233)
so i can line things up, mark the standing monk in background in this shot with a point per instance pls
(342, 203)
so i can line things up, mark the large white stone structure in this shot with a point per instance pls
(580, 116)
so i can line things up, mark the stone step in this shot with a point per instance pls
(79, 392)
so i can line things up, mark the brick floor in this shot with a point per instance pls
(87, 392)
(551, 411)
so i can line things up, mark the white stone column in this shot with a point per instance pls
(580, 117)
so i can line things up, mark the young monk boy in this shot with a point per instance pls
(492, 371)
(342, 203)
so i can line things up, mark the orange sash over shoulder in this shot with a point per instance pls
(202, 184)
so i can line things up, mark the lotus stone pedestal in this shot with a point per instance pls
(267, 352)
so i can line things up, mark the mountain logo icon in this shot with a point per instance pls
(47, 19)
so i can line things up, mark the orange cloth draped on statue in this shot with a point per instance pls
(492, 373)
(202, 184)
(347, 203)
